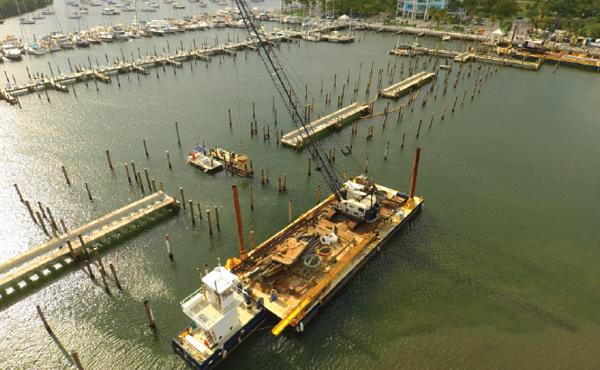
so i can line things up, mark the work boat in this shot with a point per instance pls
(222, 315)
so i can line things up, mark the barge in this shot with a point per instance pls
(296, 271)
(200, 157)
(237, 163)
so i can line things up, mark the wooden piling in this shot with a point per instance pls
(168, 243)
(30, 210)
(192, 212)
(169, 160)
(251, 196)
(318, 193)
(127, 172)
(290, 211)
(110, 166)
(149, 315)
(114, 274)
(182, 197)
(177, 130)
(19, 193)
(87, 189)
(217, 218)
(145, 148)
(76, 360)
(64, 170)
(148, 180)
(41, 223)
(210, 230)
(44, 321)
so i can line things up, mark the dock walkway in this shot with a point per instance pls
(37, 262)
(470, 55)
(296, 139)
(139, 65)
(395, 91)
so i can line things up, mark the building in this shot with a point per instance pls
(418, 8)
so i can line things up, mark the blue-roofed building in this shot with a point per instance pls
(419, 8)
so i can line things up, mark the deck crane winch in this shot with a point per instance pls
(358, 201)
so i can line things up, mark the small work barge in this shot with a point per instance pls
(200, 157)
(237, 163)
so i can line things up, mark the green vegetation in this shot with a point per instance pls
(580, 17)
(8, 8)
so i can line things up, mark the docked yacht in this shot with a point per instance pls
(35, 49)
(11, 52)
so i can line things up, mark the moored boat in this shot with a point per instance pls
(200, 157)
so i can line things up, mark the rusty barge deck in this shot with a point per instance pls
(296, 271)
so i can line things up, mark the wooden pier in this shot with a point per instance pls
(39, 262)
(140, 65)
(395, 91)
(296, 139)
(469, 56)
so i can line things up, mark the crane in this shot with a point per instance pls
(357, 201)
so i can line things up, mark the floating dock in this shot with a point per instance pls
(395, 91)
(199, 158)
(296, 139)
(39, 262)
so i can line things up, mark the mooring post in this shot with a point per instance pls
(318, 193)
(149, 315)
(109, 160)
(169, 160)
(64, 170)
(141, 182)
(251, 196)
(309, 165)
(210, 230)
(127, 172)
(44, 321)
(87, 189)
(168, 245)
(19, 193)
(146, 148)
(114, 274)
(148, 182)
(182, 197)
(30, 210)
(177, 130)
(41, 223)
(76, 360)
(64, 226)
(192, 212)
(217, 218)
(289, 211)
(134, 172)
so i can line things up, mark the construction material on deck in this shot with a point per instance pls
(237, 163)
(38, 262)
(296, 139)
(395, 91)
(300, 268)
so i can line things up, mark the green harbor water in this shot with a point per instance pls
(499, 271)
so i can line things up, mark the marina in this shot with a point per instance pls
(335, 120)
(319, 262)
